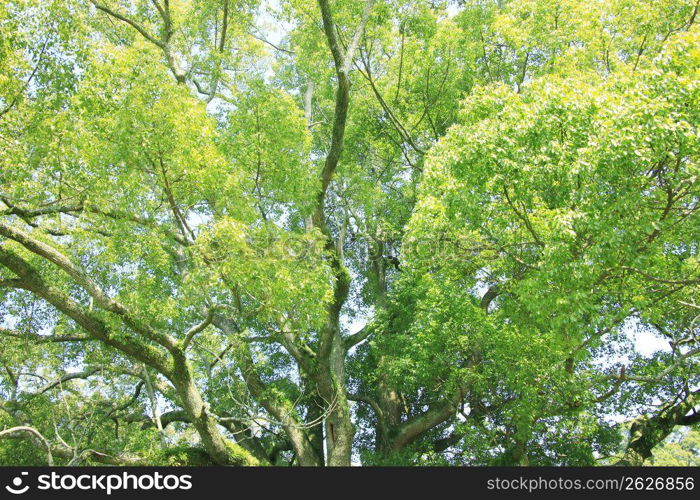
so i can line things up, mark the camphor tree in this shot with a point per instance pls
(358, 231)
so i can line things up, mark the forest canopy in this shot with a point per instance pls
(377, 232)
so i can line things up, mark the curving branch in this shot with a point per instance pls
(436, 414)
(130, 22)
(31, 280)
(198, 328)
(342, 60)
(295, 431)
(662, 280)
(162, 43)
(81, 278)
(647, 431)
(362, 335)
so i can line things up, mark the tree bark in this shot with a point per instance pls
(646, 432)
(221, 450)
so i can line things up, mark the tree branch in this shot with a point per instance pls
(80, 276)
(32, 281)
(70, 376)
(130, 22)
(198, 328)
(39, 339)
(352, 340)
(34, 435)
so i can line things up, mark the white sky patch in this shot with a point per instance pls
(453, 9)
(646, 340)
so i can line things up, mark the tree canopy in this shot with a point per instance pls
(379, 232)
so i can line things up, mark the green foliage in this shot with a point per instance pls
(515, 197)
(680, 450)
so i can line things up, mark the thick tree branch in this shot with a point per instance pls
(81, 278)
(412, 428)
(646, 432)
(24, 431)
(279, 409)
(198, 328)
(32, 281)
(342, 63)
(352, 340)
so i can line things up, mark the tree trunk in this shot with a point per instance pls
(221, 450)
